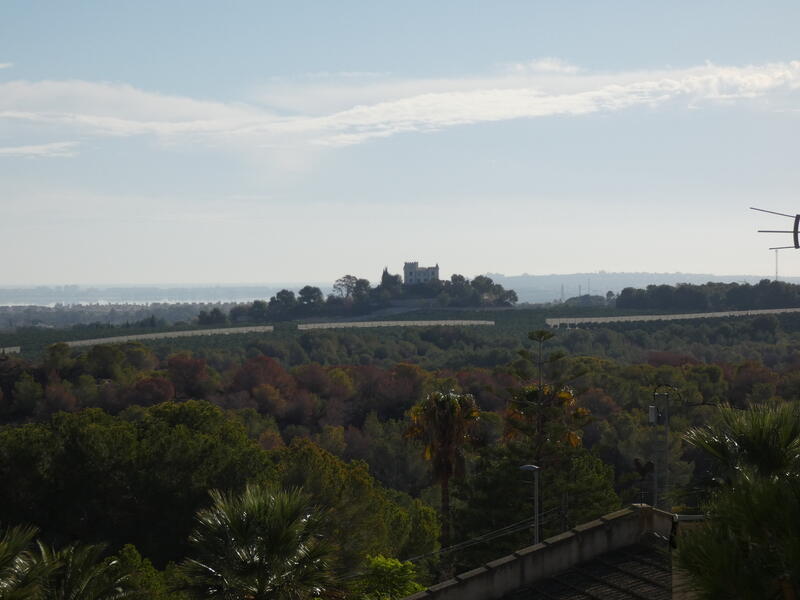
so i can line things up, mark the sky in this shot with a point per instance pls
(256, 141)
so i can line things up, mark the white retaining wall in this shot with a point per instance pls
(572, 321)
(357, 324)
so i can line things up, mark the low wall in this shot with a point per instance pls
(355, 324)
(119, 339)
(555, 555)
(676, 317)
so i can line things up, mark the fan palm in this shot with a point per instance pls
(762, 439)
(79, 572)
(257, 545)
(442, 421)
(21, 574)
(749, 547)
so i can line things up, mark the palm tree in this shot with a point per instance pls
(21, 574)
(763, 440)
(258, 545)
(79, 572)
(749, 546)
(442, 421)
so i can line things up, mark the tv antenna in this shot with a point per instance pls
(794, 231)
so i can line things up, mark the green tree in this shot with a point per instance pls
(134, 478)
(258, 311)
(27, 394)
(392, 284)
(22, 576)
(749, 546)
(58, 359)
(442, 422)
(365, 519)
(260, 545)
(283, 302)
(574, 485)
(81, 572)
(214, 317)
(345, 286)
(149, 582)
(310, 296)
(361, 290)
(386, 579)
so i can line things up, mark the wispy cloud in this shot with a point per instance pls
(548, 64)
(356, 108)
(55, 149)
(7, 65)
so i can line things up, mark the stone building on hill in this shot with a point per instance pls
(414, 274)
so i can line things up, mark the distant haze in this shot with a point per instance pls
(529, 288)
(546, 288)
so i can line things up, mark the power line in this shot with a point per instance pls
(544, 517)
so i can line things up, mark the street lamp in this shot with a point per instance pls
(535, 469)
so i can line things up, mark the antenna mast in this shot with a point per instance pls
(795, 231)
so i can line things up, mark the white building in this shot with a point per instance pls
(414, 274)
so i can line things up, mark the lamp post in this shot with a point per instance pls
(535, 470)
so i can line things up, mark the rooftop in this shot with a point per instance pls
(620, 556)
(641, 571)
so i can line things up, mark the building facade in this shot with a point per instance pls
(413, 274)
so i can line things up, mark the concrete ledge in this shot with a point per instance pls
(555, 555)
(470, 574)
(528, 550)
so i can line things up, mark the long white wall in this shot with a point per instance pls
(119, 339)
(574, 321)
(360, 324)
(170, 334)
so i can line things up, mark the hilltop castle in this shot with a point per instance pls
(414, 274)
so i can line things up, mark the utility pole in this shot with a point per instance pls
(776, 264)
(657, 416)
(535, 470)
(654, 416)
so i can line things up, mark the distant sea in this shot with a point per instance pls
(141, 294)
(529, 288)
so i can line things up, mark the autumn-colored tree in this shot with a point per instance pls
(190, 376)
(261, 370)
(151, 390)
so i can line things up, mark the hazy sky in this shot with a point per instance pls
(218, 142)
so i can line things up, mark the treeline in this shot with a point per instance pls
(771, 339)
(358, 412)
(355, 296)
(102, 315)
(136, 480)
(117, 444)
(712, 296)
(351, 296)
